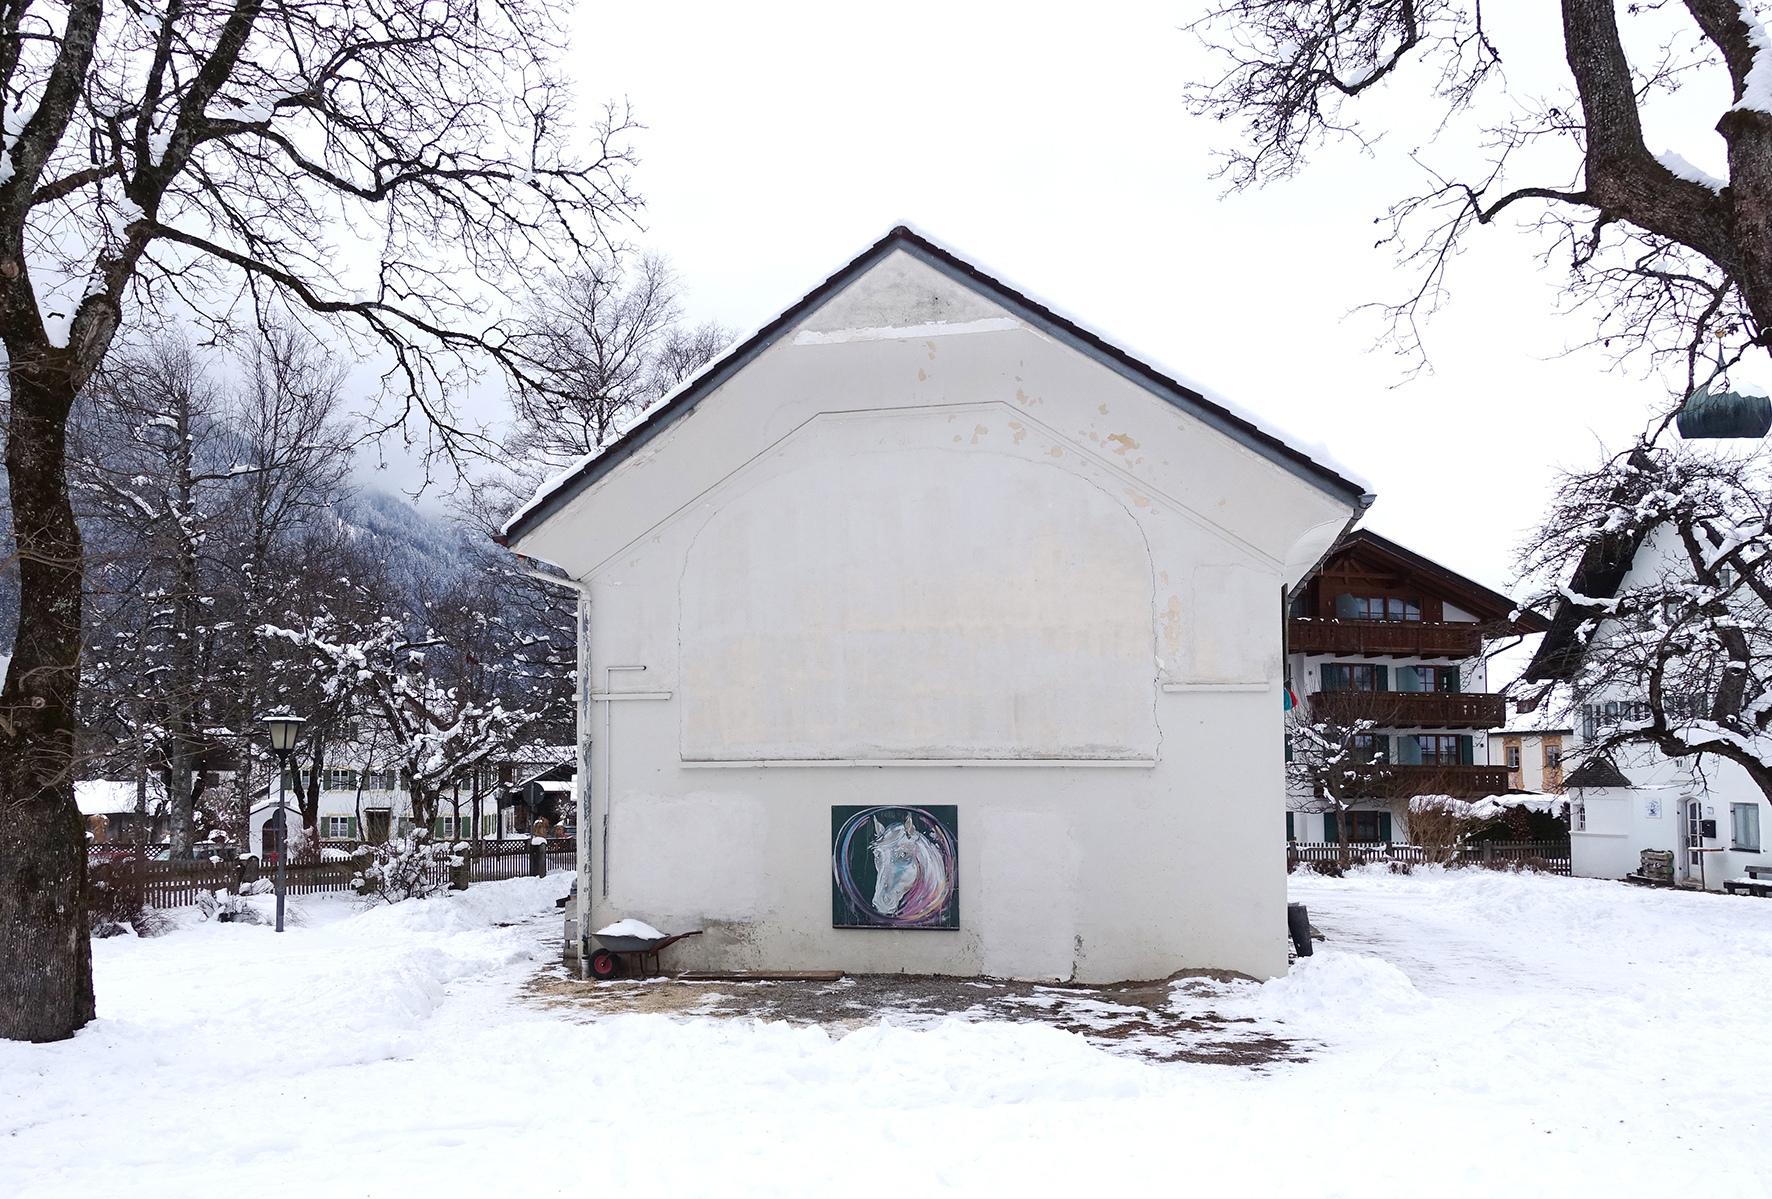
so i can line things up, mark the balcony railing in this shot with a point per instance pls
(1460, 782)
(1380, 638)
(1412, 709)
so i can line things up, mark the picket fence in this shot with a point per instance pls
(1551, 857)
(169, 884)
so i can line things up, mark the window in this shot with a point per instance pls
(1377, 608)
(1553, 755)
(1580, 817)
(1513, 757)
(1354, 676)
(338, 828)
(1362, 826)
(341, 780)
(1428, 678)
(1371, 747)
(1744, 819)
(1595, 717)
(1438, 749)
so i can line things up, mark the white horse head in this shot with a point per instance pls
(907, 866)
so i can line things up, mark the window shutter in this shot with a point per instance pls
(1383, 674)
(1331, 830)
(351, 827)
(1467, 751)
(1384, 827)
(1289, 832)
(1408, 750)
(1381, 743)
(1288, 756)
(1449, 681)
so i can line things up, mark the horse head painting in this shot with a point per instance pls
(913, 876)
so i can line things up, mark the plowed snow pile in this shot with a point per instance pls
(1468, 1033)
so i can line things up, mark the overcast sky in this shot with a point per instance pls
(1050, 144)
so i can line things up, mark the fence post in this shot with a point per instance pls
(1488, 853)
(458, 875)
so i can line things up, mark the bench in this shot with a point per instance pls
(1749, 886)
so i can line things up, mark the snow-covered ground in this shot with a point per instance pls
(1468, 1033)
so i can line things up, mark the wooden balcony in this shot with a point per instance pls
(1385, 638)
(1460, 782)
(1412, 709)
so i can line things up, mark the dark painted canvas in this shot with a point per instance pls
(895, 867)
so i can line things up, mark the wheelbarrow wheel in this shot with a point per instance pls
(605, 964)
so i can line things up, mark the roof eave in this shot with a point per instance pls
(568, 487)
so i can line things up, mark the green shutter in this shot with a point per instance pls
(1381, 744)
(1384, 827)
(1289, 835)
(1331, 829)
(1449, 681)
(1288, 753)
(1384, 677)
(1408, 750)
(1467, 751)
(351, 830)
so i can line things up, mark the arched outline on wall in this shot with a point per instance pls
(1102, 461)
(737, 482)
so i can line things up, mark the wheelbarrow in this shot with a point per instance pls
(633, 956)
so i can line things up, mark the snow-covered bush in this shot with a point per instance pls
(1440, 824)
(117, 901)
(223, 908)
(410, 867)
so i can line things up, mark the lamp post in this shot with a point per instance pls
(283, 729)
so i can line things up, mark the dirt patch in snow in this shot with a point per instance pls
(1168, 1020)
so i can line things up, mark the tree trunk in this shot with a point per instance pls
(45, 940)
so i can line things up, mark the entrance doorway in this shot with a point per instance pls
(379, 822)
(1691, 860)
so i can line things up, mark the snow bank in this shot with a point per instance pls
(1336, 990)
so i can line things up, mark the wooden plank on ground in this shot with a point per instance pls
(760, 976)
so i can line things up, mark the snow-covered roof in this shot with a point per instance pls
(100, 797)
(1307, 459)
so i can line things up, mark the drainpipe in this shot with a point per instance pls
(608, 764)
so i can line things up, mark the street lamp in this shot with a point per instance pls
(283, 729)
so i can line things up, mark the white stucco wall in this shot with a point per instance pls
(1621, 822)
(967, 565)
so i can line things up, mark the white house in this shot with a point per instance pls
(928, 631)
(1707, 812)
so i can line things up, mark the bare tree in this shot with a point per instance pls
(152, 462)
(1665, 255)
(218, 158)
(602, 344)
(1333, 764)
(1659, 562)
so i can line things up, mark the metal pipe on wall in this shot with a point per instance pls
(608, 764)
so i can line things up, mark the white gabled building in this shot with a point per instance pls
(1706, 813)
(928, 631)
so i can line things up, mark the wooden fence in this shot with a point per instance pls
(168, 884)
(1549, 856)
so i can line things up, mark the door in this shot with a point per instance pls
(1691, 861)
(380, 824)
